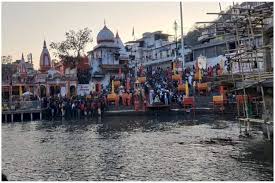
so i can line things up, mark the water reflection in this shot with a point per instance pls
(110, 166)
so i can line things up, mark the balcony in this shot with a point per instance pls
(158, 61)
(71, 76)
(112, 67)
(98, 75)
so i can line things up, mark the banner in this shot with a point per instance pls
(63, 91)
(244, 66)
(83, 89)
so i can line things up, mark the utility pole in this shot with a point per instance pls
(182, 43)
(176, 38)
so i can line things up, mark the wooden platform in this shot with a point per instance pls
(254, 120)
(200, 110)
(22, 111)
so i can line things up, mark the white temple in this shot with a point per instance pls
(107, 57)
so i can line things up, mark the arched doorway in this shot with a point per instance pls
(54, 90)
(57, 90)
(72, 90)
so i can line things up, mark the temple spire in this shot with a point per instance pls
(104, 22)
(22, 57)
(44, 45)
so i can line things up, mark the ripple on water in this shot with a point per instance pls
(134, 148)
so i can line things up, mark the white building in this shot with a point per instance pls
(107, 57)
(155, 49)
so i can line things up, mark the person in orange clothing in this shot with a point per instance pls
(124, 98)
(117, 101)
(129, 98)
(136, 100)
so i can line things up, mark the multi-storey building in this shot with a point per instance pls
(155, 49)
(213, 43)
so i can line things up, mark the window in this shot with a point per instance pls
(221, 49)
(210, 52)
(197, 53)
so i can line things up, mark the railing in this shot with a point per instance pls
(158, 61)
(21, 105)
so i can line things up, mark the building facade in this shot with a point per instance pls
(156, 49)
(108, 58)
(52, 78)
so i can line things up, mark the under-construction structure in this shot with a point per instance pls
(249, 60)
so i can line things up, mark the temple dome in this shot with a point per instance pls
(105, 35)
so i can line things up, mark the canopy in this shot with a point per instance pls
(27, 93)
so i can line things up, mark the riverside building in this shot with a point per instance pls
(156, 49)
(108, 58)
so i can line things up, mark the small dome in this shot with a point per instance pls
(105, 35)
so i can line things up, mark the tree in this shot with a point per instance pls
(6, 59)
(72, 48)
(191, 38)
(83, 76)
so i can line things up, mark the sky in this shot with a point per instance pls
(25, 25)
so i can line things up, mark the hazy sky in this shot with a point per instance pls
(26, 24)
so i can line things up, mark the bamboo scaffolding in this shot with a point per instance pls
(244, 27)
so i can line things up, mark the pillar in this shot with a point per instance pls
(267, 52)
(20, 90)
(240, 125)
(22, 117)
(40, 114)
(11, 117)
(268, 132)
(76, 88)
(47, 90)
(31, 116)
(6, 118)
(68, 88)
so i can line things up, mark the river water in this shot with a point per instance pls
(164, 147)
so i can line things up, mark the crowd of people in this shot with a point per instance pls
(158, 89)
(74, 107)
